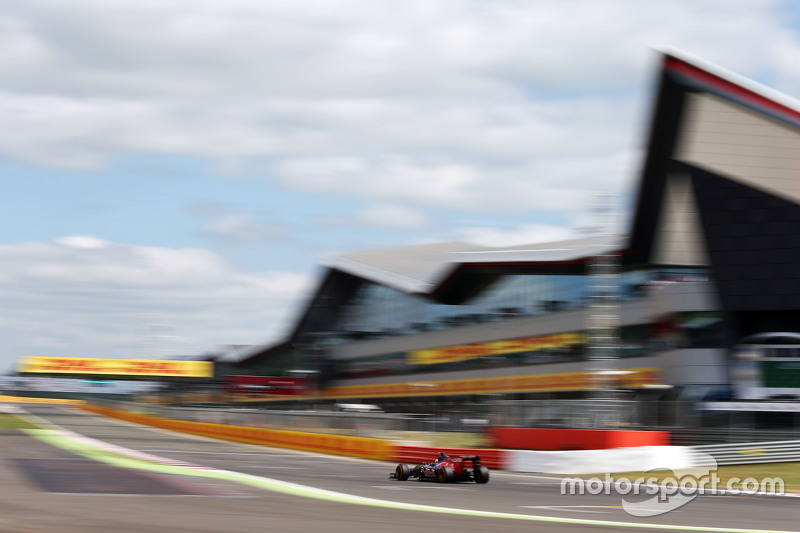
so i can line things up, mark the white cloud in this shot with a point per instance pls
(78, 300)
(382, 215)
(82, 241)
(457, 92)
(529, 185)
(393, 217)
(527, 234)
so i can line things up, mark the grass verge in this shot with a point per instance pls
(9, 421)
(729, 476)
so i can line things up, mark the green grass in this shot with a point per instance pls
(438, 440)
(788, 472)
(8, 421)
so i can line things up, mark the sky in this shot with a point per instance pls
(174, 172)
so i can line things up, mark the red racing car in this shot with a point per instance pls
(446, 469)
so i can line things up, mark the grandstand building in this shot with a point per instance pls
(711, 257)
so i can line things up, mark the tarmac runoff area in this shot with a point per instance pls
(140, 490)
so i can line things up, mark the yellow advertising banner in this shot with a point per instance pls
(117, 367)
(632, 378)
(21, 399)
(462, 352)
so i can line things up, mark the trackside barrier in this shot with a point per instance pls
(787, 451)
(334, 444)
(492, 458)
(580, 462)
(25, 399)
(574, 439)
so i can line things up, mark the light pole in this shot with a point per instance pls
(604, 319)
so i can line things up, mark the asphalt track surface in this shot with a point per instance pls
(44, 489)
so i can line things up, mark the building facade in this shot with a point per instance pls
(711, 257)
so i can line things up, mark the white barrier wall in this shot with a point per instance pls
(638, 459)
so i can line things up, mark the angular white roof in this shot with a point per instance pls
(418, 269)
(413, 269)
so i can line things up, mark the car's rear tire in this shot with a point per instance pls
(402, 472)
(446, 474)
(481, 474)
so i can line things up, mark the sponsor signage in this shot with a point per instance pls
(116, 367)
(630, 379)
(463, 352)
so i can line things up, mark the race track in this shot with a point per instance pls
(45, 489)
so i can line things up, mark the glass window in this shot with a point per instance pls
(377, 311)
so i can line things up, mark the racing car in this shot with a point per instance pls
(446, 469)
